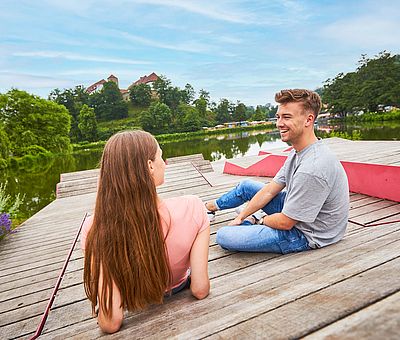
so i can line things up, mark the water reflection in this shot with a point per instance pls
(225, 146)
(387, 130)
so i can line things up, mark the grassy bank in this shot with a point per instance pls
(375, 116)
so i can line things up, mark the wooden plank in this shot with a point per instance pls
(374, 206)
(376, 215)
(54, 267)
(378, 321)
(95, 172)
(183, 159)
(302, 316)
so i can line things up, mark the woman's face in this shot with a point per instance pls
(157, 168)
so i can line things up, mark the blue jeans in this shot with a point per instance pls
(257, 238)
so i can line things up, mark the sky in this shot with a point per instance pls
(240, 50)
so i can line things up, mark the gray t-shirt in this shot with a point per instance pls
(317, 194)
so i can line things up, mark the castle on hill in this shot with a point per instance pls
(97, 86)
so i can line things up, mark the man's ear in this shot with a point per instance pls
(310, 119)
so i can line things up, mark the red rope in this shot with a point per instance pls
(60, 277)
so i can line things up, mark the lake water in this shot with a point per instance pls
(38, 185)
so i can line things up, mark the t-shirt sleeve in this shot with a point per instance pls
(85, 230)
(305, 200)
(280, 177)
(200, 214)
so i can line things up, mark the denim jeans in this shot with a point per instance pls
(257, 238)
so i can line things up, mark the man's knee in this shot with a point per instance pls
(247, 185)
(223, 237)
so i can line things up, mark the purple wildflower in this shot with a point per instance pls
(5, 224)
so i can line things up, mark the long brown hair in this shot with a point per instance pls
(126, 244)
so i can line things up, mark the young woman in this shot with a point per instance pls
(139, 248)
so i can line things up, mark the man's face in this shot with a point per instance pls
(291, 122)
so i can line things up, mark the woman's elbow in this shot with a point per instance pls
(111, 325)
(201, 292)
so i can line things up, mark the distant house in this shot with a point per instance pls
(149, 80)
(125, 94)
(97, 86)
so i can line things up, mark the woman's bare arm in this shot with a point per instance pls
(113, 324)
(200, 283)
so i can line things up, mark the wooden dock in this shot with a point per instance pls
(347, 290)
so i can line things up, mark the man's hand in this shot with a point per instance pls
(237, 221)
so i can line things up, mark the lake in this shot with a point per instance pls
(38, 184)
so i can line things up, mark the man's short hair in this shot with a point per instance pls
(311, 100)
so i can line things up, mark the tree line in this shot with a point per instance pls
(162, 107)
(33, 126)
(373, 85)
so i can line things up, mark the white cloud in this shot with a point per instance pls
(78, 57)
(191, 46)
(208, 9)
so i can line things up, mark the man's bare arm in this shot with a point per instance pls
(262, 198)
(279, 221)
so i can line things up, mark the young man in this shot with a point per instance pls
(313, 210)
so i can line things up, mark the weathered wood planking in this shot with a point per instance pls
(372, 320)
(280, 280)
(253, 295)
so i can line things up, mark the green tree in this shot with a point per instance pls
(203, 94)
(201, 107)
(173, 97)
(223, 111)
(161, 86)
(188, 94)
(108, 103)
(191, 119)
(240, 112)
(376, 82)
(88, 124)
(73, 100)
(140, 95)
(29, 120)
(259, 114)
(170, 95)
(340, 93)
(157, 119)
(250, 111)
(4, 145)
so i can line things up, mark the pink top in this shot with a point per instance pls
(186, 217)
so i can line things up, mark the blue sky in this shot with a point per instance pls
(240, 50)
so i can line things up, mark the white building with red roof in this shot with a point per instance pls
(149, 80)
